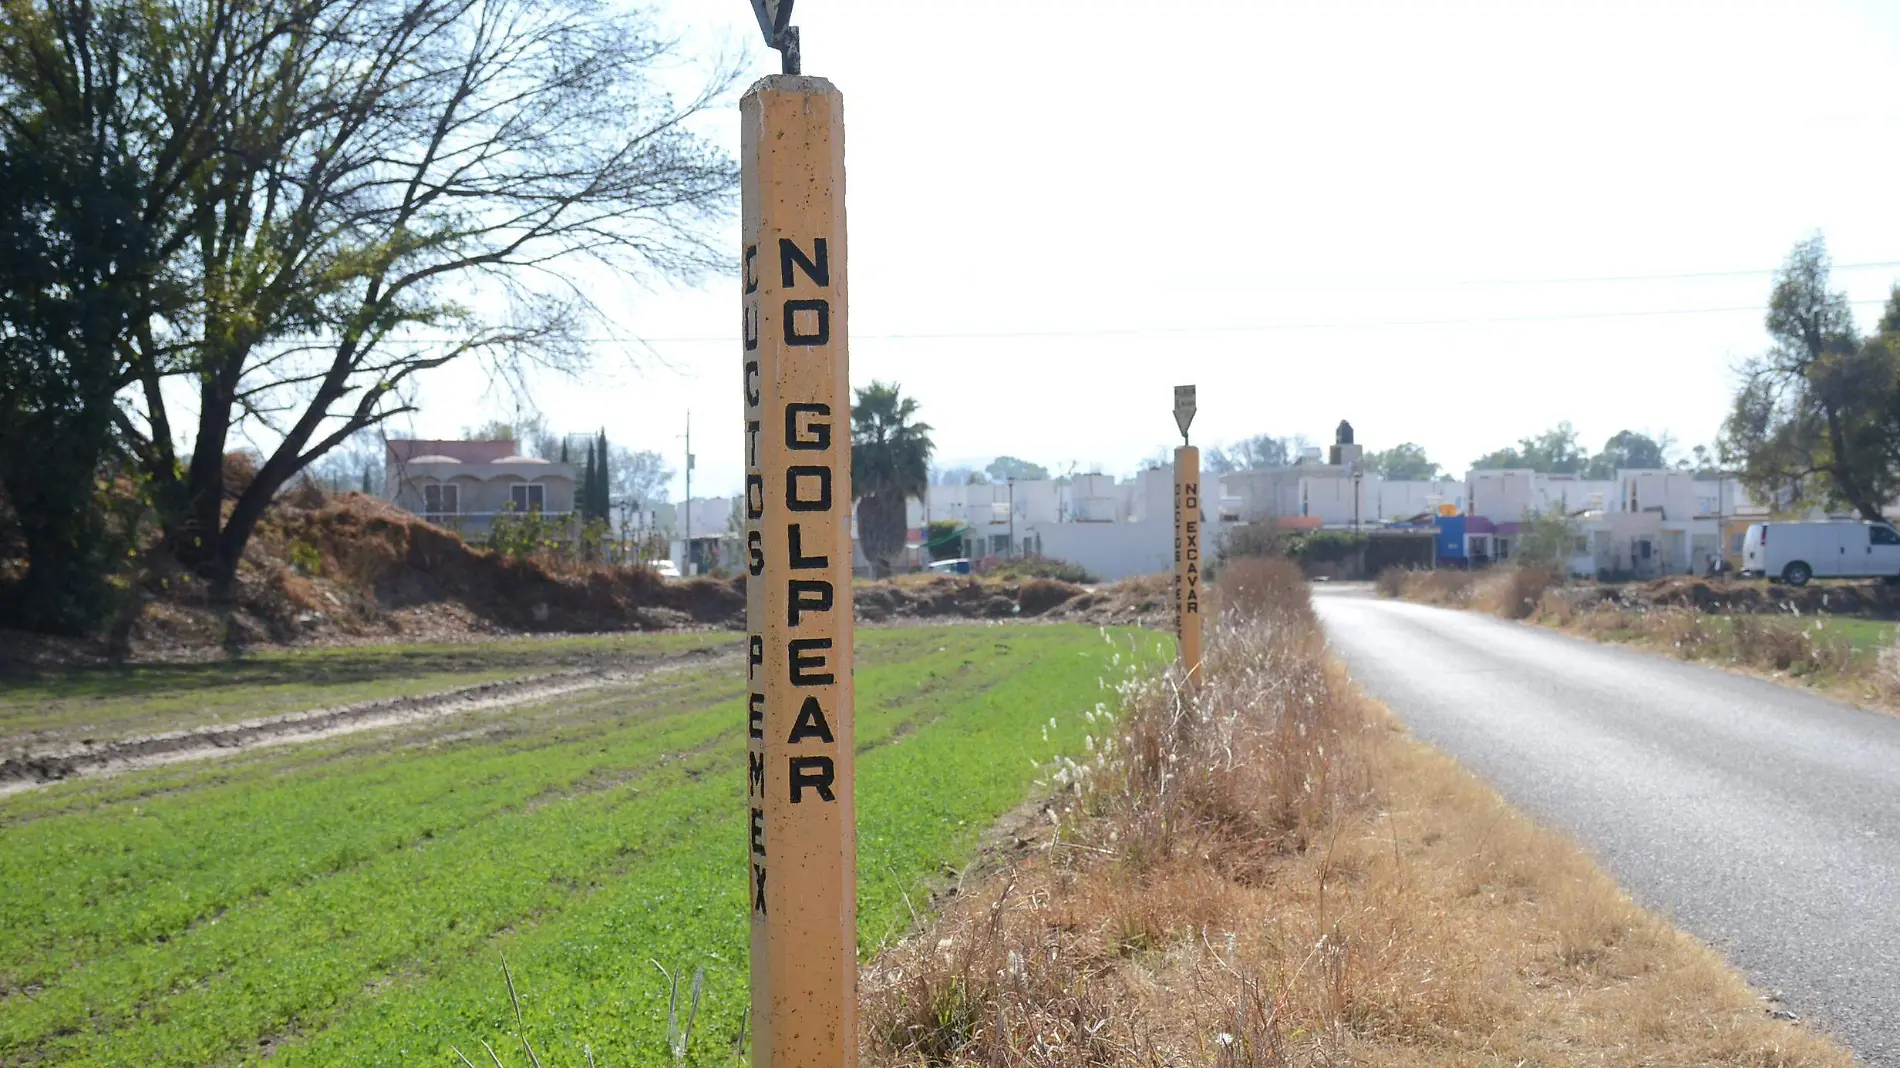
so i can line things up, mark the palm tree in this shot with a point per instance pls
(890, 464)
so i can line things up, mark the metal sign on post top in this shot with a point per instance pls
(1183, 409)
(802, 826)
(775, 18)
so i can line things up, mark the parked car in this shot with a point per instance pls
(1797, 552)
(666, 569)
(959, 566)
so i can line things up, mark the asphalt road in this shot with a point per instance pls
(1762, 819)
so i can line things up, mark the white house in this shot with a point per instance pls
(1114, 528)
(713, 540)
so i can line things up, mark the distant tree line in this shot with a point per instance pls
(1560, 451)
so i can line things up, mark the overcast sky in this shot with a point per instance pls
(1451, 223)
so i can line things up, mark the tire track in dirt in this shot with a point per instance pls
(28, 770)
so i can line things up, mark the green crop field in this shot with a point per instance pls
(348, 901)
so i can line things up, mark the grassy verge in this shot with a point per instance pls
(1855, 659)
(103, 703)
(347, 902)
(1273, 873)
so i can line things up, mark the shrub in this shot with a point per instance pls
(1326, 546)
(1042, 567)
(1547, 540)
(1265, 587)
(1252, 539)
(1450, 588)
(1040, 595)
(1391, 582)
(1514, 593)
(1885, 674)
(525, 534)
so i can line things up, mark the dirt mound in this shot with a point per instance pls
(1139, 601)
(344, 568)
(1870, 599)
(393, 560)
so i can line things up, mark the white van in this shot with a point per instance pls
(1797, 552)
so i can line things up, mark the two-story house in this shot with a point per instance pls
(465, 485)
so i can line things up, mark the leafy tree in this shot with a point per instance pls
(1702, 461)
(890, 464)
(1556, 451)
(1819, 412)
(1402, 463)
(58, 374)
(1004, 468)
(415, 179)
(1547, 539)
(91, 210)
(529, 431)
(1261, 450)
(1505, 459)
(1627, 450)
(603, 477)
(584, 497)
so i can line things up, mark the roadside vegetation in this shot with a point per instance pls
(1850, 657)
(349, 901)
(1270, 872)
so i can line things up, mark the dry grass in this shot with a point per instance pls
(1509, 592)
(1270, 872)
(1761, 642)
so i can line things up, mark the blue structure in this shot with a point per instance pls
(1451, 539)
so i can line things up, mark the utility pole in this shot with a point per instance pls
(1012, 516)
(801, 737)
(686, 552)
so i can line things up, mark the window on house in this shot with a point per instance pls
(439, 499)
(1504, 548)
(1581, 547)
(528, 497)
(1735, 542)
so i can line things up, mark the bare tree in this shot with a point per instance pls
(414, 182)
(639, 475)
(1261, 450)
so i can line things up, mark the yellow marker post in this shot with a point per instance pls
(802, 828)
(1187, 559)
(1187, 541)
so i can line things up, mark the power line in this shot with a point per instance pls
(1247, 328)
(1263, 328)
(1751, 273)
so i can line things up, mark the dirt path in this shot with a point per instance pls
(30, 770)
